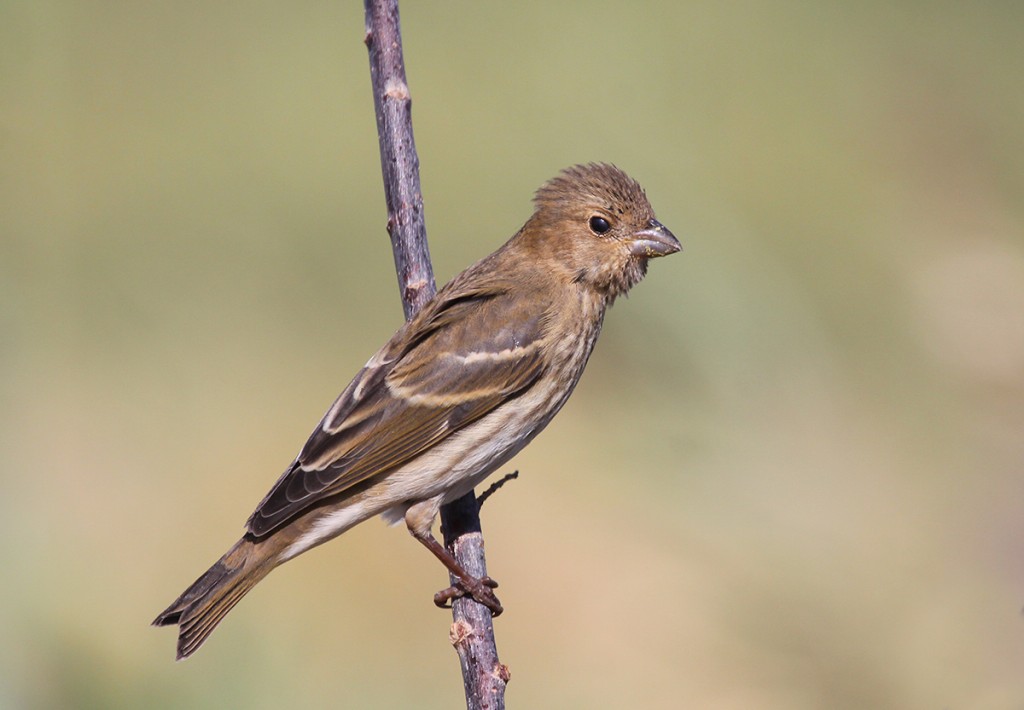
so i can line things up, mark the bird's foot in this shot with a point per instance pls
(480, 589)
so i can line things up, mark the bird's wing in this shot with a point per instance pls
(468, 353)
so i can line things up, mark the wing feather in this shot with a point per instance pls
(465, 355)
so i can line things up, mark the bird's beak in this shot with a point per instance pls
(654, 241)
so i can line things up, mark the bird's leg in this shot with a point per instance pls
(480, 588)
(419, 519)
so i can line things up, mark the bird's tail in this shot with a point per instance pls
(202, 606)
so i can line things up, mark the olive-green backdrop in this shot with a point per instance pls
(792, 477)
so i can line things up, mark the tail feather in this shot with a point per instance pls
(204, 604)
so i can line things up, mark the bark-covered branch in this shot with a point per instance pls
(398, 159)
(472, 632)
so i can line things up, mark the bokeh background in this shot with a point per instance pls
(792, 477)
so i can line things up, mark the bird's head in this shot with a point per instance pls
(595, 222)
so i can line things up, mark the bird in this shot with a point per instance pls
(461, 388)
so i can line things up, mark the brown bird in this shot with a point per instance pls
(455, 394)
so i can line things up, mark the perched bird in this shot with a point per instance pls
(456, 392)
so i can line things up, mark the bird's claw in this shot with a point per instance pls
(480, 589)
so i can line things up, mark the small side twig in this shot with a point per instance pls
(484, 677)
(494, 487)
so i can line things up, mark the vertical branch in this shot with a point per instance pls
(399, 162)
(472, 632)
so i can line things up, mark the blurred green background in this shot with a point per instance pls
(792, 477)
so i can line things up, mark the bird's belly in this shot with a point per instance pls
(459, 463)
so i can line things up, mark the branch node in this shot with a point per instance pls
(460, 632)
(412, 290)
(396, 89)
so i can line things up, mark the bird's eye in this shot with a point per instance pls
(599, 225)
